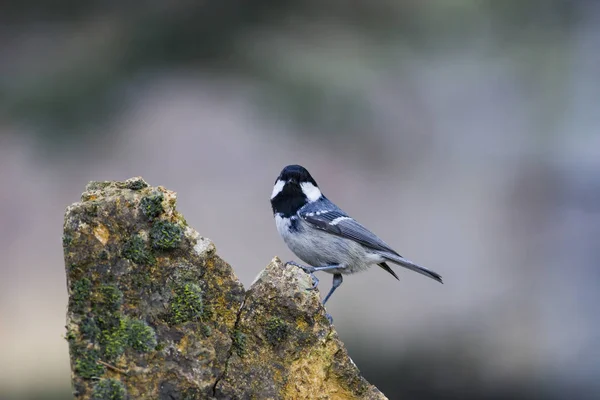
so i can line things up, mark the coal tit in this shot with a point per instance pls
(324, 236)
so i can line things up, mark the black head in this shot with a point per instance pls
(296, 174)
(294, 187)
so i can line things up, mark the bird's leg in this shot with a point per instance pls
(311, 271)
(337, 281)
(295, 264)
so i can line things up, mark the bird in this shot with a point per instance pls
(326, 238)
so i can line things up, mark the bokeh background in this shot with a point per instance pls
(464, 132)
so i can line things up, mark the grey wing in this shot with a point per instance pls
(336, 222)
(339, 223)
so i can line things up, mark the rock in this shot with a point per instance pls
(155, 313)
(287, 348)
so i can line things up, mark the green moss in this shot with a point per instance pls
(109, 389)
(186, 304)
(140, 336)
(91, 209)
(86, 363)
(141, 280)
(151, 205)
(107, 326)
(110, 299)
(276, 330)
(84, 360)
(207, 311)
(135, 184)
(80, 295)
(113, 332)
(113, 341)
(70, 336)
(206, 330)
(188, 273)
(97, 185)
(165, 235)
(136, 251)
(89, 329)
(239, 342)
(126, 334)
(67, 239)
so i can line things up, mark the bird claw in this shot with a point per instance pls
(294, 263)
(309, 270)
(305, 268)
(329, 318)
(315, 282)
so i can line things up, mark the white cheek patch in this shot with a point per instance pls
(277, 188)
(311, 192)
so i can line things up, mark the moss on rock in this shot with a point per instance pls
(80, 295)
(109, 299)
(135, 250)
(86, 364)
(151, 205)
(239, 342)
(140, 336)
(187, 304)
(126, 334)
(109, 389)
(89, 329)
(276, 330)
(136, 183)
(166, 235)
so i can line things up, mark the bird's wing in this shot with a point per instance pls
(339, 223)
(336, 222)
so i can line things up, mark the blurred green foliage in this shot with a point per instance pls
(89, 55)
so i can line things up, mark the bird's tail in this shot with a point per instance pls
(412, 266)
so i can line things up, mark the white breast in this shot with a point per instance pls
(319, 248)
(283, 225)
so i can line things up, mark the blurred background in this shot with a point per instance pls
(464, 132)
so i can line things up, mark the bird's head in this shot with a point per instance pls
(294, 187)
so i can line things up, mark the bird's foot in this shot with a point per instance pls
(329, 318)
(305, 268)
(309, 270)
(294, 263)
(315, 282)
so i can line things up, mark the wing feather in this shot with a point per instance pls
(336, 222)
(339, 223)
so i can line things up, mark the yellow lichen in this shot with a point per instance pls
(301, 324)
(183, 344)
(308, 376)
(101, 233)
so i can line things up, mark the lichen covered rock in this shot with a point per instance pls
(289, 350)
(154, 313)
(151, 305)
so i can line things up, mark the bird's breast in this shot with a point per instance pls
(319, 248)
